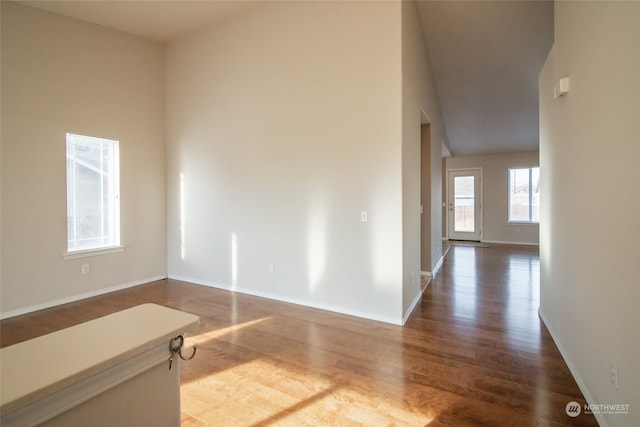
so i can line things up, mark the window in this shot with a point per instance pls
(93, 193)
(524, 195)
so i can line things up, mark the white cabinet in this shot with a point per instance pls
(109, 371)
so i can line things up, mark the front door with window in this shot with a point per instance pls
(464, 204)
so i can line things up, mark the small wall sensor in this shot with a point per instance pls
(562, 88)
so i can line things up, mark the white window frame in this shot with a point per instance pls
(113, 243)
(520, 221)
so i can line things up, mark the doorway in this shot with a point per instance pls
(464, 204)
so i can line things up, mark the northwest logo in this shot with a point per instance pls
(573, 409)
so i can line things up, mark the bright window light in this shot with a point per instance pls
(93, 193)
(524, 195)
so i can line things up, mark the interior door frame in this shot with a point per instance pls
(480, 196)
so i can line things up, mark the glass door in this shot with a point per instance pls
(464, 205)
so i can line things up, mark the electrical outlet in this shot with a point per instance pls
(613, 374)
(86, 269)
(272, 269)
(413, 278)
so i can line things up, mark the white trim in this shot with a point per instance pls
(431, 274)
(283, 298)
(582, 385)
(77, 297)
(93, 252)
(497, 242)
(415, 302)
(480, 170)
(444, 253)
(523, 222)
(438, 265)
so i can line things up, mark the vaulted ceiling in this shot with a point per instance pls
(159, 20)
(485, 56)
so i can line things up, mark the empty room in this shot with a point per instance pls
(322, 213)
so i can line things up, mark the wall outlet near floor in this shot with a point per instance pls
(86, 269)
(413, 278)
(272, 269)
(613, 374)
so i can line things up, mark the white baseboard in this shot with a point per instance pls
(433, 273)
(498, 242)
(78, 297)
(576, 375)
(284, 298)
(417, 298)
(438, 265)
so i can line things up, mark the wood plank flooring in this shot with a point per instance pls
(473, 352)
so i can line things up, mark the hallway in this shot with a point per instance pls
(484, 304)
(474, 352)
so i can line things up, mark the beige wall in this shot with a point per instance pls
(419, 105)
(284, 124)
(589, 151)
(495, 195)
(60, 75)
(279, 134)
(425, 198)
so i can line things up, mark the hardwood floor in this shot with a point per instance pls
(473, 352)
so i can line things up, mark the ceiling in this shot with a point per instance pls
(485, 56)
(159, 20)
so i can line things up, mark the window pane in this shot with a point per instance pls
(524, 195)
(535, 194)
(93, 211)
(519, 195)
(464, 202)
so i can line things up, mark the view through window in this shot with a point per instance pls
(93, 199)
(524, 195)
(464, 198)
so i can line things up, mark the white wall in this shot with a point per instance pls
(495, 195)
(60, 75)
(283, 124)
(419, 99)
(589, 234)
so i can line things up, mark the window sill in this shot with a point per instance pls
(93, 252)
(523, 223)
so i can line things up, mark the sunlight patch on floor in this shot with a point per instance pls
(201, 339)
(261, 393)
